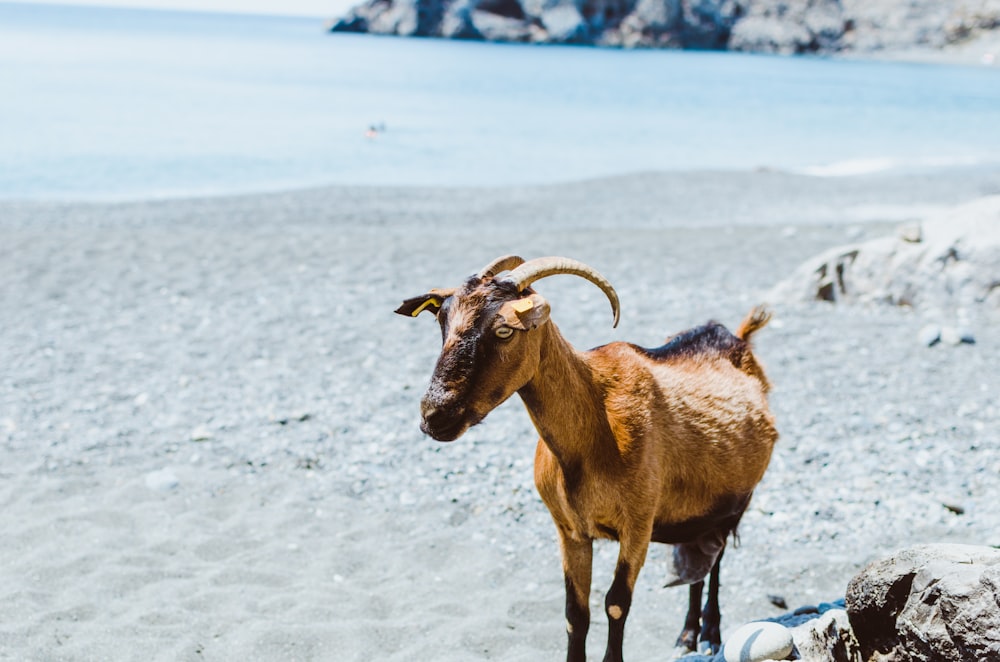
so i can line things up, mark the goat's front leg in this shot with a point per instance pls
(631, 556)
(577, 558)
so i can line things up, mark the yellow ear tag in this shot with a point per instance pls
(522, 306)
(433, 301)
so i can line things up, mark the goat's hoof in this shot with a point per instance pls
(688, 640)
(710, 648)
(679, 652)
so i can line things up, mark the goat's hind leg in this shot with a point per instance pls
(688, 639)
(711, 616)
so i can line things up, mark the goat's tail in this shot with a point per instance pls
(755, 320)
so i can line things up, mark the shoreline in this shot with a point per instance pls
(710, 198)
(979, 52)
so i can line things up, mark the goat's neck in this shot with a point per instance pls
(565, 404)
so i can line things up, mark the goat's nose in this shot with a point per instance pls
(433, 413)
(428, 407)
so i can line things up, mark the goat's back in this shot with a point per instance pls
(713, 341)
(708, 432)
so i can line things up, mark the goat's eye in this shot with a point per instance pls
(504, 332)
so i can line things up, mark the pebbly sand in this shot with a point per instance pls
(209, 416)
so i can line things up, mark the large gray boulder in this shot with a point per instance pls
(931, 602)
(827, 638)
(950, 261)
(707, 23)
(786, 27)
(458, 23)
(494, 27)
(406, 18)
(564, 23)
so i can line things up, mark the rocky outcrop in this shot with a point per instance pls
(932, 602)
(827, 638)
(949, 262)
(772, 26)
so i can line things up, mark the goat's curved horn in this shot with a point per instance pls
(529, 272)
(499, 265)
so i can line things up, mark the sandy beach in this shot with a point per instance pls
(209, 415)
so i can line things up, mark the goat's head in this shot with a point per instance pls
(491, 335)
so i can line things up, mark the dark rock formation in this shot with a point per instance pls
(932, 602)
(771, 26)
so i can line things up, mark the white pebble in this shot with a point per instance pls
(201, 433)
(163, 480)
(754, 642)
(950, 336)
(929, 335)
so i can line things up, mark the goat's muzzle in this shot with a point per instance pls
(444, 423)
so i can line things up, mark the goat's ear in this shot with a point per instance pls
(431, 301)
(528, 313)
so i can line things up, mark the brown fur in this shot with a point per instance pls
(631, 440)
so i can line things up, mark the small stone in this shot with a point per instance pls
(954, 507)
(911, 233)
(929, 335)
(201, 433)
(292, 418)
(755, 642)
(950, 336)
(162, 480)
(965, 334)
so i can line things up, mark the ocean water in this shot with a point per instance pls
(112, 103)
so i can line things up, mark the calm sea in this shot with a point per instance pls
(110, 103)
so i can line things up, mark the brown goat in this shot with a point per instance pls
(637, 445)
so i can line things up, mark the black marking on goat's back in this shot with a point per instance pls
(711, 339)
(724, 516)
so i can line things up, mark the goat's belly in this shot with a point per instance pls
(722, 517)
